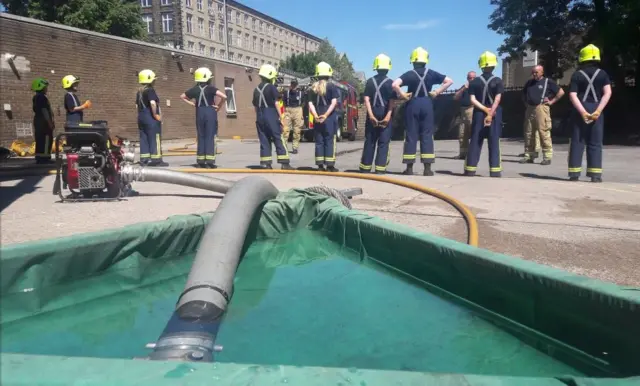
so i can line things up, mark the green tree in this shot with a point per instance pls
(558, 28)
(306, 64)
(113, 17)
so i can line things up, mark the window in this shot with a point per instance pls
(240, 58)
(269, 62)
(190, 46)
(281, 51)
(145, 3)
(230, 36)
(229, 19)
(239, 38)
(246, 41)
(262, 45)
(220, 33)
(210, 7)
(167, 22)
(247, 60)
(169, 44)
(281, 33)
(201, 49)
(220, 9)
(201, 26)
(238, 18)
(199, 5)
(148, 20)
(255, 62)
(212, 30)
(273, 49)
(261, 26)
(166, 2)
(255, 44)
(232, 56)
(189, 24)
(262, 61)
(212, 52)
(246, 21)
(268, 47)
(187, 3)
(221, 54)
(254, 23)
(231, 96)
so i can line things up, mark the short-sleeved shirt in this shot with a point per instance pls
(412, 81)
(144, 98)
(322, 103)
(293, 98)
(40, 101)
(465, 99)
(386, 91)
(579, 83)
(476, 88)
(209, 92)
(533, 90)
(270, 95)
(72, 101)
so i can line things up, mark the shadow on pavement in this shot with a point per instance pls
(10, 194)
(539, 177)
(450, 173)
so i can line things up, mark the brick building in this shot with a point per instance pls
(224, 29)
(108, 67)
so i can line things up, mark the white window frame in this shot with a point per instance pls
(202, 49)
(212, 52)
(148, 20)
(167, 22)
(212, 30)
(189, 24)
(199, 5)
(231, 96)
(166, 2)
(191, 46)
(187, 3)
(145, 3)
(201, 26)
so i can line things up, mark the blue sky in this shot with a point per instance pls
(454, 31)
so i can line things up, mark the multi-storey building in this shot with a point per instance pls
(224, 29)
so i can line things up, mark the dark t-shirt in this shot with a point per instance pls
(72, 101)
(270, 95)
(476, 88)
(40, 101)
(319, 102)
(143, 100)
(579, 83)
(412, 81)
(292, 98)
(209, 92)
(533, 90)
(386, 91)
(465, 99)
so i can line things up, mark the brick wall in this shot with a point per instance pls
(108, 69)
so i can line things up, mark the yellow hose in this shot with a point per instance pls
(469, 217)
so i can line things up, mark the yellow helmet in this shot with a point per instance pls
(487, 59)
(69, 81)
(39, 84)
(324, 69)
(146, 77)
(202, 75)
(420, 55)
(589, 53)
(268, 72)
(382, 62)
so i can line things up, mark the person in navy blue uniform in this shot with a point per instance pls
(486, 93)
(323, 100)
(149, 121)
(378, 95)
(43, 123)
(589, 91)
(465, 115)
(203, 97)
(419, 117)
(72, 105)
(269, 119)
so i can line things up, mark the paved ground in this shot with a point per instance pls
(533, 212)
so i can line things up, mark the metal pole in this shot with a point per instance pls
(226, 26)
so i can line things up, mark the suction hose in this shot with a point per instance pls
(190, 333)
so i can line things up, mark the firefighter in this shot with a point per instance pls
(419, 117)
(149, 120)
(378, 94)
(486, 93)
(465, 114)
(204, 94)
(43, 122)
(269, 119)
(293, 117)
(589, 91)
(322, 104)
(537, 93)
(75, 110)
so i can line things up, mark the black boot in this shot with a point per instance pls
(286, 167)
(321, 168)
(409, 170)
(332, 169)
(574, 178)
(597, 179)
(545, 162)
(526, 161)
(267, 166)
(211, 166)
(427, 170)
